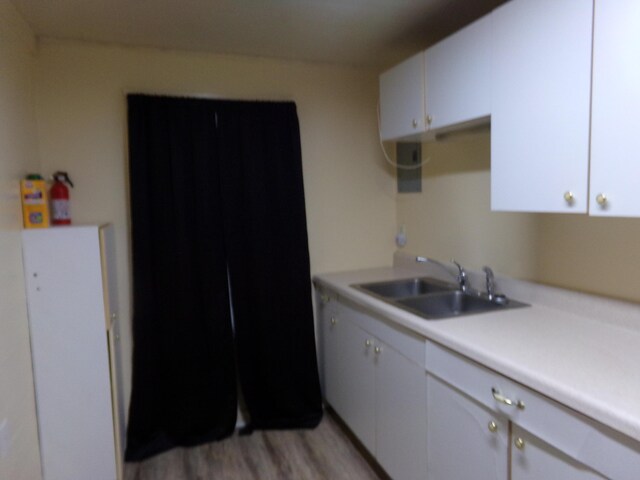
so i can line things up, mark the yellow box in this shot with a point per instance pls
(35, 203)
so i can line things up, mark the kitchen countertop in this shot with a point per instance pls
(581, 350)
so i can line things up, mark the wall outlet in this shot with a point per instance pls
(5, 438)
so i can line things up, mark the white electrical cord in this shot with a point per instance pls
(386, 157)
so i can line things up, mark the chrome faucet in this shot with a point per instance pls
(461, 278)
(491, 285)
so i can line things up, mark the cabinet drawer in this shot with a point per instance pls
(406, 342)
(580, 437)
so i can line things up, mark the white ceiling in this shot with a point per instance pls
(372, 33)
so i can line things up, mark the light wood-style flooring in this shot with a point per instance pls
(325, 453)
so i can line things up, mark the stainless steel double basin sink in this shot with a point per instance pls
(434, 299)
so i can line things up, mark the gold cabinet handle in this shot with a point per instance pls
(377, 350)
(519, 443)
(367, 343)
(507, 401)
(333, 320)
(569, 197)
(493, 426)
(601, 199)
(414, 123)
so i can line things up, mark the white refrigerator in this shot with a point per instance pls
(73, 320)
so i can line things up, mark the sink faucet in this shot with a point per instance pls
(490, 282)
(461, 278)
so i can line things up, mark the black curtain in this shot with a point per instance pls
(184, 383)
(216, 190)
(268, 257)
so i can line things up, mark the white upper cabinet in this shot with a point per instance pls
(448, 85)
(615, 139)
(458, 77)
(540, 105)
(561, 84)
(402, 107)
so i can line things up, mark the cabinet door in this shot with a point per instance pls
(465, 440)
(349, 375)
(324, 312)
(458, 76)
(401, 414)
(540, 105)
(402, 109)
(615, 143)
(533, 459)
(70, 354)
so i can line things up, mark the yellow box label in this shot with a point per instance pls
(35, 203)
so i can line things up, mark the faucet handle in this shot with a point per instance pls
(462, 276)
(490, 282)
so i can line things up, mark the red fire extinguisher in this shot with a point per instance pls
(60, 213)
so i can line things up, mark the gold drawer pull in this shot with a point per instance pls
(507, 401)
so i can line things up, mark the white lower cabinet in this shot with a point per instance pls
(457, 420)
(465, 440)
(531, 437)
(350, 376)
(468, 441)
(534, 459)
(401, 425)
(378, 392)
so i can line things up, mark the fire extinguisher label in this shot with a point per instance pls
(60, 209)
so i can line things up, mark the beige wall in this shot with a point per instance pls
(81, 115)
(19, 456)
(452, 218)
(591, 254)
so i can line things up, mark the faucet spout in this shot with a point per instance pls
(461, 277)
